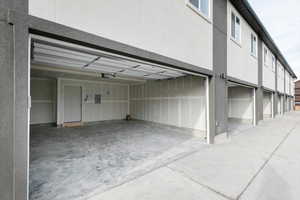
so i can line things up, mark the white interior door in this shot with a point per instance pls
(72, 104)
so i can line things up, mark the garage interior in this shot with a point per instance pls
(98, 118)
(288, 104)
(280, 104)
(268, 105)
(240, 108)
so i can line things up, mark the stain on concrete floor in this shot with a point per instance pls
(68, 163)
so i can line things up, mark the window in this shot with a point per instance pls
(265, 56)
(253, 45)
(202, 6)
(235, 27)
(273, 63)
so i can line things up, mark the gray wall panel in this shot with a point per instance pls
(7, 109)
(259, 91)
(219, 66)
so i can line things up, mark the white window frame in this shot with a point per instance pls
(273, 63)
(198, 10)
(251, 45)
(236, 16)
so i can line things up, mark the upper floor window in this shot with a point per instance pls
(253, 45)
(273, 63)
(235, 27)
(202, 6)
(265, 56)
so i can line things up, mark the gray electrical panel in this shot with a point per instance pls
(97, 98)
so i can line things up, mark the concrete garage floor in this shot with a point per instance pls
(68, 163)
(261, 163)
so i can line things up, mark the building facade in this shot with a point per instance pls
(297, 95)
(206, 65)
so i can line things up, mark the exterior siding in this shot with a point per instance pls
(240, 63)
(170, 28)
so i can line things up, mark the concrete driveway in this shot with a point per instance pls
(260, 163)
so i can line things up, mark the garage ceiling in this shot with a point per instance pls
(59, 54)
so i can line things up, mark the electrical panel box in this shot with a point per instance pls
(97, 98)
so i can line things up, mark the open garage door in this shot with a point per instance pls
(241, 106)
(268, 104)
(114, 86)
(72, 85)
(280, 104)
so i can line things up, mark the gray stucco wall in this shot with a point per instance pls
(7, 108)
(220, 65)
(14, 102)
(18, 5)
(259, 91)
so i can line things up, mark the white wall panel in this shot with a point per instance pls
(114, 101)
(267, 103)
(240, 63)
(43, 97)
(240, 103)
(168, 27)
(179, 102)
